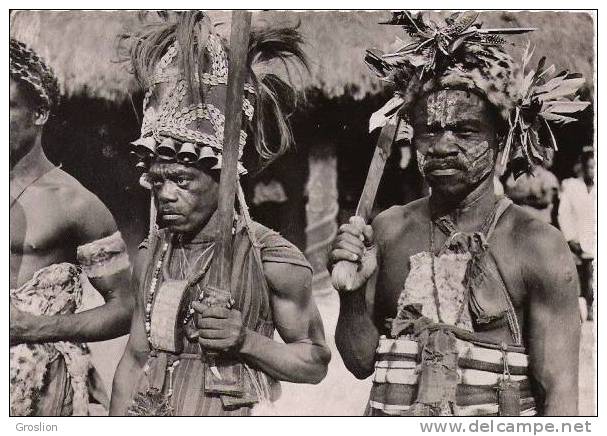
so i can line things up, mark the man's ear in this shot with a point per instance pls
(41, 116)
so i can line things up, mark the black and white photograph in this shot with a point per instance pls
(302, 213)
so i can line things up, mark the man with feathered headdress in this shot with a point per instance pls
(194, 350)
(58, 230)
(472, 303)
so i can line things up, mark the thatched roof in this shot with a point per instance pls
(81, 45)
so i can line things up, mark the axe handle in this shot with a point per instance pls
(344, 272)
(237, 70)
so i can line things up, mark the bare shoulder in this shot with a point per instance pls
(395, 220)
(90, 218)
(541, 249)
(534, 236)
(70, 191)
(288, 281)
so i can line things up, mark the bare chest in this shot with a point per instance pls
(396, 263)
(40, 223)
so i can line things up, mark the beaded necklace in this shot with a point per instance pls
(153, 289)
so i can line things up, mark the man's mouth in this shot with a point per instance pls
(442, 168)
(170, 214)
(444, 171)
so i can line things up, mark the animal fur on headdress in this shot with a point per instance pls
(28, 68)
(457, 54)
(194, 33)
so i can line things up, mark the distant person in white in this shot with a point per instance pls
(577, 221)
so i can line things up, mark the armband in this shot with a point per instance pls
(103, 257)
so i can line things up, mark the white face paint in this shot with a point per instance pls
(421, 161)
(442, 108)
(454, 140)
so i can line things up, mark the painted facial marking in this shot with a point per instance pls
(442, 108)
(421, 161)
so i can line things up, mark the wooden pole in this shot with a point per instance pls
(237, 71)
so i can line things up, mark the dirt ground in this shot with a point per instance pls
(339, 393)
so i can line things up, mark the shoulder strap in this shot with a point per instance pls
(244, 210)
(501, 206)
(491, 267)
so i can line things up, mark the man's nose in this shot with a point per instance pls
(444, 145)
(167, 193)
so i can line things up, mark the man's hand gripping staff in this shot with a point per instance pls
(353, 251)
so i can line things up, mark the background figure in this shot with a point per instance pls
(58, 229)
(577, 221)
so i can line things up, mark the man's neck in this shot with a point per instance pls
(32, 164)
(469, 212)
(206, 232)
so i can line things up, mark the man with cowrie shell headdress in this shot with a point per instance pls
(195, 349)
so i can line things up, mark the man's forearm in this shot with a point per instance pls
(125, 381)
(296, 362)
(562, 402)
(101, 323)
(356, 336)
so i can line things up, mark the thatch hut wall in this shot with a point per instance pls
(81, 45)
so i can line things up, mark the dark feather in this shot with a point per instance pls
(275, 98)
(373, 59)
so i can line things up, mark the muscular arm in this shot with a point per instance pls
(135, 354)
(304, 356)
(92, 221)
(554, 323)
(356, 336)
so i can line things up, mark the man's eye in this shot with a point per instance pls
(465, 133)
(181, 182)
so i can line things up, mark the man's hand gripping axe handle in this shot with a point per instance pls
(344, 271)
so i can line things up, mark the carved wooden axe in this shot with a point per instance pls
(344, 271)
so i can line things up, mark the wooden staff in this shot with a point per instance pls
(237, 70)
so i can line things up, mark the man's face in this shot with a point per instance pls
(25, 121)
(588, 169)
(455, 140)
(185, 196)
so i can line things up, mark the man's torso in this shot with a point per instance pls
(408, 233)
(43, 228)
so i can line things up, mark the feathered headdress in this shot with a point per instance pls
(542, 98)
(460, 54)
(182, 63)
(27, 67)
